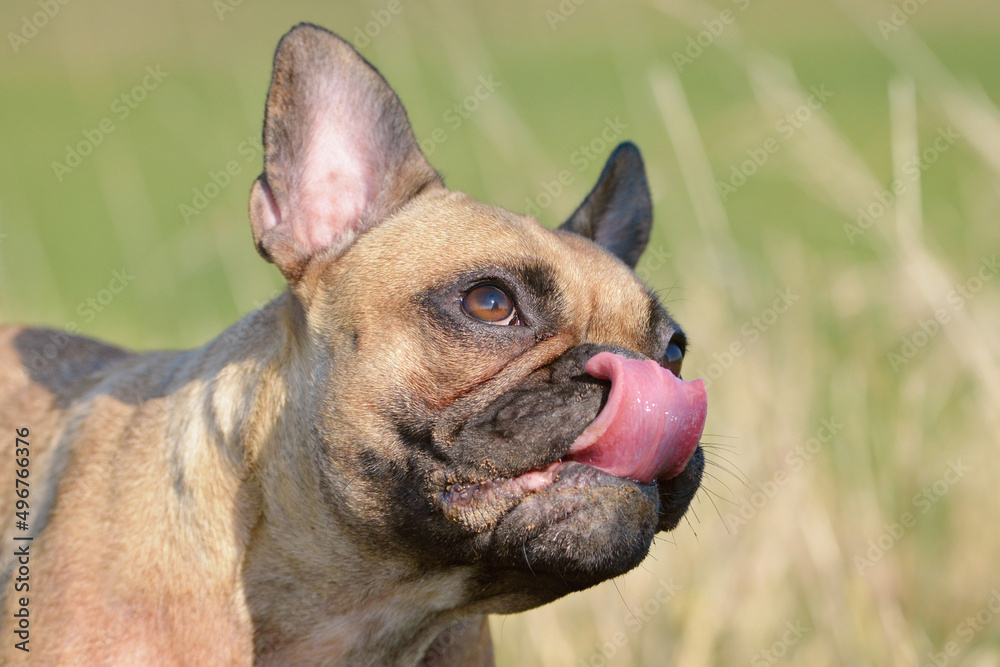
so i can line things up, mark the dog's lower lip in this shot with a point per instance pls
(462, 494)
(525, 483)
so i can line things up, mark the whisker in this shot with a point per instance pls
(738, 475)
(715, 493)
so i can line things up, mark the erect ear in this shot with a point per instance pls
(339, 152)
(618, 213)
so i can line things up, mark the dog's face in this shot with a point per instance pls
(463, 414)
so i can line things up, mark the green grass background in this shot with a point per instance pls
(717, 263)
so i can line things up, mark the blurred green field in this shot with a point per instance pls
(850, 513)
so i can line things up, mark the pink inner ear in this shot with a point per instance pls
(335, 183)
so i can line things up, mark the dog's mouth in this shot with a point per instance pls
(464, 495)
(647, 432)
(650, 425)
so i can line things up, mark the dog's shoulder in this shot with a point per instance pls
(62, 364)
(43, 372)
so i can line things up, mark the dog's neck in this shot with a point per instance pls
(315, 596)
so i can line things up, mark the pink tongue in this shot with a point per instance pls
(651, 424)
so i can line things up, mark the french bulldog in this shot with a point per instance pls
(451, 412)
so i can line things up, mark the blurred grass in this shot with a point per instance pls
(794, 560)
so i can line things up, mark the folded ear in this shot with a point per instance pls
(339, 152)
(618, 213)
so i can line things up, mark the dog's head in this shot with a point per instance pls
(487, 394)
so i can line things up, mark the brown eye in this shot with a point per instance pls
(490, 304)
(673, 357)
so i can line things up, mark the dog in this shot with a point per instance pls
(451, 412)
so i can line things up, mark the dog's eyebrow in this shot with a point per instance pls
(538, 283)
(538, 278)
